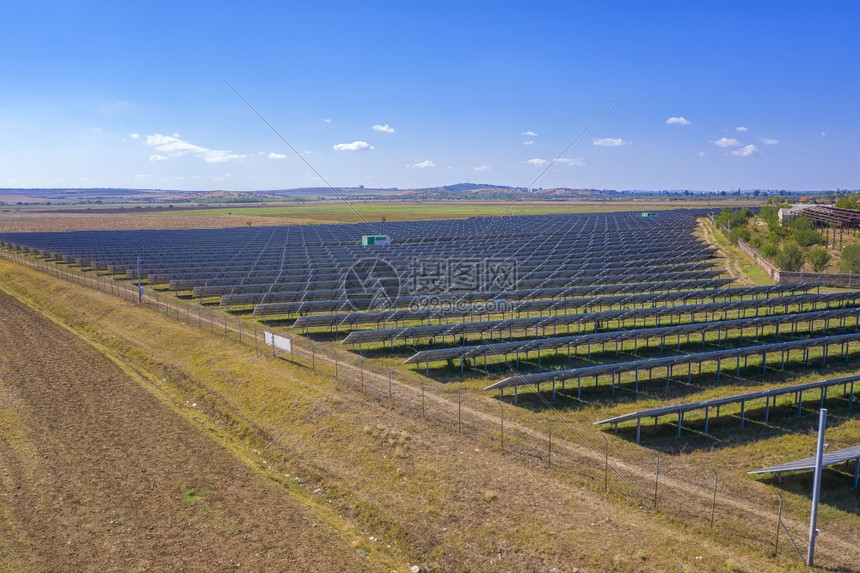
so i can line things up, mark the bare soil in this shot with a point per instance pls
(98, 474)
(41, 221)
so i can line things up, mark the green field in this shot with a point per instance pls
(356, 212)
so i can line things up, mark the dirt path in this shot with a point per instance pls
(732, 265)
(97, 474)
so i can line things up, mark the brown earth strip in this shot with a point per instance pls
(97, 474)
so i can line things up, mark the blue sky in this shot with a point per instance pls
(724, 95)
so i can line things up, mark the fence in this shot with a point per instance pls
(671, 487)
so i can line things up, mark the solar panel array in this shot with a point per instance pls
(514, 284)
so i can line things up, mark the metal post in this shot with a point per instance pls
(714, 504)
(459, 411)
(606, 465)
(390, 396)
(139, 286)
(656, 480)
(361, 368)
(502, 419)
(549, 448)
(816, 488)
(778, 525)
(335, 363)
(422, 402)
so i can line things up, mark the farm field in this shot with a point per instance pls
(100, 473)
(408, 470)
(42, 218)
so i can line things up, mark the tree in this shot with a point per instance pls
(851, 259)
(818, 258)
(770, 250)
(801, 224)
(739, 233)
(807, 237)
(790, 258)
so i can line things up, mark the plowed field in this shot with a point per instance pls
(97, 474)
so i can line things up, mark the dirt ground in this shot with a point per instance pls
(97, 474)
(37, 222)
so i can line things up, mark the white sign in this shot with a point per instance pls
(284, 344)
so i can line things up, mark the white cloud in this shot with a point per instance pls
(823, 133)
(741, 128)
(274, 155)
(383, 128)
(746, 151)
(422, 164)
(157, 157)
(529, 142)
(579, 161)
(134, 135)
(327, 120)
(702, 154)
(174, 146)
(680, 120)
(529, 133)
(727, 142)
(354, 146)
(482, 168)
(610, 142)
(216, 156)
(769, 141)
(537, 161)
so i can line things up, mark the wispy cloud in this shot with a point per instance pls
(529, 133)
(769, 141)
(741, 128)
(274, 155)
(746, 151)
(173, 146)
(157, 157)
(680, 120)
(579, 161)
(482, 168)
(134, 135)
(426, 164)
(529, 142)
(354, 146)
(610, 142)
(326, 120)
(383, 128)
(537, 161)
(727, 142)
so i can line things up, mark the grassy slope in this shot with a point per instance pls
(433, 496)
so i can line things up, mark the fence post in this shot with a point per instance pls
(656, 480)
(778, 525)
(714, 504)
(502, 421)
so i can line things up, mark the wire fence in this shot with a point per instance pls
(664, 484)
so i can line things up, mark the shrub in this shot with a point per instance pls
(755, 241)
(818, 258)
(770, 250)
(733, 219)
(807, 237)
(801, 224)
(851, 259)
(790, 258)
(739, 233)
